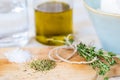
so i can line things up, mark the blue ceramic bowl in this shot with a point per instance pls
(107, 25)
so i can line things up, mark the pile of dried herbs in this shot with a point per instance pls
(43, 65)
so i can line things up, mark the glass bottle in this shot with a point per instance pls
(13, 23)
(53, 19)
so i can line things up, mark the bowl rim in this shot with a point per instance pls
(98, 11)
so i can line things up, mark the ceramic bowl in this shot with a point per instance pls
(107, 26)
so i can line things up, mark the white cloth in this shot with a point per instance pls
(110, 6)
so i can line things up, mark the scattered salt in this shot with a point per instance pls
(18, 56)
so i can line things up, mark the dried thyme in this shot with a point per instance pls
(43, 65)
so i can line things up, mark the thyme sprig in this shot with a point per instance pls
(100, 60)
(104, 59)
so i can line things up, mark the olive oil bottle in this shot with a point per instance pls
(53, 22)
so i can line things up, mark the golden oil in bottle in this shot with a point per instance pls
(53, 22)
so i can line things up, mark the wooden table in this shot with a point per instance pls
(63, 71)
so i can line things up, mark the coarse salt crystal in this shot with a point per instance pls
(18, 56)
